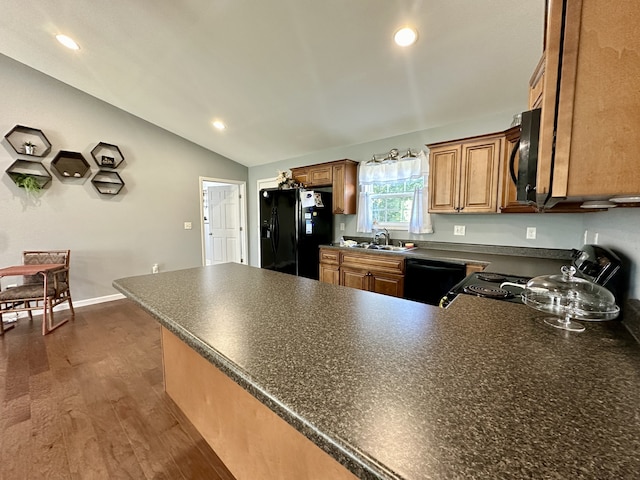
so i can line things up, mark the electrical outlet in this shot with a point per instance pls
(531, 233)
(459, 230)
(187, 225)
(342, 227)
(154, 268)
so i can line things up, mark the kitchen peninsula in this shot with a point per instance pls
(386, 388)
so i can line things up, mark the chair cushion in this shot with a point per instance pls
(23, 292)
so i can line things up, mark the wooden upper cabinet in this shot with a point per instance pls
(322, 175)
(479, 175)
(301, 175)
(313, 176)
(464, 174)
(508, 194)
(444, 178)
(536, 85)
(341, 175)
(593, 114)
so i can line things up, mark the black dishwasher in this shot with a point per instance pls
(427, 281)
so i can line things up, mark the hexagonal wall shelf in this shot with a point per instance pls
(28, 141)
(107, 155)
(107, 183)
(22, 169)
(70, 164)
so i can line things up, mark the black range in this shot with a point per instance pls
(489, 285)
(593, 262)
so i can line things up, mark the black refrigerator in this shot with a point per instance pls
(293, 224)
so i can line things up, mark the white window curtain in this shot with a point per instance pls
(402, 170)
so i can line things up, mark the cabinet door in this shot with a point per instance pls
(479, 176)
(508, 195)
(444, 179)
(386, 284)
(330, 274)
(345, 176)
(509, 190)
(320, 176)
(301, 175)
(338, 189)
(354, 278)
(596, 130)
(536, 85)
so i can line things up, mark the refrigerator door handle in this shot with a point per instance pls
(275, 230)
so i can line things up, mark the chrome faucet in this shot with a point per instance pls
(386, 235)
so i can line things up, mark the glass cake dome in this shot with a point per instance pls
(568, 297)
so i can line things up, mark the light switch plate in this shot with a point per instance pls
(187, 225)
(459, 230)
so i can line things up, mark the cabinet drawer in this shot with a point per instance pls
(373, 262)
(331, 257)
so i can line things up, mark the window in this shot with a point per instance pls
(393, 195)
(392, 202)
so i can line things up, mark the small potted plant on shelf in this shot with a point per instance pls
(29, 183)
(29, 148)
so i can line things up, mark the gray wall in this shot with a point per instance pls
(109, 236)
(617, 229)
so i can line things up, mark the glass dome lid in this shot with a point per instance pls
(569, 297)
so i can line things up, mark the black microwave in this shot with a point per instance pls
(527, 149)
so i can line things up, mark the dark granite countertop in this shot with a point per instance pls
(395, 389)
(521, 261)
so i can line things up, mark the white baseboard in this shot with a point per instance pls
(65, 306)
(93, 301)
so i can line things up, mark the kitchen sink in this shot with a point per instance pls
(388, 248)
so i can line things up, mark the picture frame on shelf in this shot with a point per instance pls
(108, 161)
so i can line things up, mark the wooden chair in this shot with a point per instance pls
(40, 291)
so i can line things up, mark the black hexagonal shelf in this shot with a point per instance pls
(70, 164)
(28, 141)
(107, 155)
(21, 170)
(107, 183)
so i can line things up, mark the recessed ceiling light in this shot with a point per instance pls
(68, 42)
(218, 124)
(406, 36)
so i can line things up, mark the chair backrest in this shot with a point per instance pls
(33, 257)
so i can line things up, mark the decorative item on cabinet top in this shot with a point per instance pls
(107, 155)
(28, 141)
(107, 182)
(70, 164)
(392, 156)
(30, 175)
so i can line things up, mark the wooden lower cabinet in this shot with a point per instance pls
(330, 274)
(377, 273)
(354, 278)
(372, 281)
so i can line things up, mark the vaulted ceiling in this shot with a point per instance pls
(288, 77)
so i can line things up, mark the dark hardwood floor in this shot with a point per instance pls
(87, 402)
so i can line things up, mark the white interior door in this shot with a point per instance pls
(224, 223)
